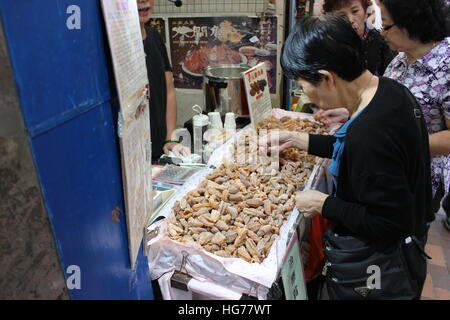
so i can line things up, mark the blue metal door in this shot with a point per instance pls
(65, 94)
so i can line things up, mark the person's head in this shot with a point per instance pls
(322, 53)
(407, 21)
(145, 9)
(354, 10)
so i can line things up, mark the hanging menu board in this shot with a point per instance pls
(258, 94)
(127, 50)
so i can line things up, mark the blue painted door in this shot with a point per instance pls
(65, 92)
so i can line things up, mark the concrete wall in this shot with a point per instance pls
(29, 266)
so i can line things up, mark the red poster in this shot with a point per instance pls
(198, 42)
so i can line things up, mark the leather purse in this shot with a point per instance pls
(356, 270)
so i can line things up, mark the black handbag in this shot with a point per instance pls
(356, 270)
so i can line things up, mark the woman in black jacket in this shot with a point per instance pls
(380, 157)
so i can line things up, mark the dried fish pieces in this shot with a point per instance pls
(243, 253)
(251, 247)
(218, 239)
(236, 197)
(238, 210)
(215, 216)
(222, 225)
(205, 237)
(254, 203)
(231, 235)
(232, 211)
(192, 222)
(242, 234)
(223, 253)
(254, 226)
(175, 230)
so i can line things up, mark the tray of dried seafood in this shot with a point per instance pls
(229, 224)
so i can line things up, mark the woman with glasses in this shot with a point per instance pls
(419, 29)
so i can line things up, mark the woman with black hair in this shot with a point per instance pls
(377, 53)
(380, 164)
(420, 30)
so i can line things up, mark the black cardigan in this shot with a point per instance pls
(384, 184)
(377, 52)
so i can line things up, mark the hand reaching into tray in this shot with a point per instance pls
(277, 140)
(333, 117)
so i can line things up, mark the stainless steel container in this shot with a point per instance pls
(224, 90)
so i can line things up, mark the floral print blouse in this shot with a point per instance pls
(428, 78)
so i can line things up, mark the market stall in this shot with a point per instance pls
(225, 238)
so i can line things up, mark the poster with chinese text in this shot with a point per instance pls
(258, 95)
(198, 42)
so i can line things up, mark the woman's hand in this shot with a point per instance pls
(177, 148)
(275, 140)
(310, 202)
(333, 116)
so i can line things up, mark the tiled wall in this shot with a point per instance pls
(211, 6)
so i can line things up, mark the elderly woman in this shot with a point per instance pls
(377, 53)
(419, 30)
(380, 163)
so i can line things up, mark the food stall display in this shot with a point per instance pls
(236, 218)
(238, 209)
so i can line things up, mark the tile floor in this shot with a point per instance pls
(437, 283)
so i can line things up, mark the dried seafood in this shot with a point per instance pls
(238, 209)
(297, 125)
(245, 221)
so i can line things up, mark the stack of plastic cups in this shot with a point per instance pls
(215, 121)
(230, 123)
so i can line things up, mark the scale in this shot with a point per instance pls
(173, 174)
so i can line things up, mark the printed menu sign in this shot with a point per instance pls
(127, 50)
(292, 272)
(197, 42)
(258, 95)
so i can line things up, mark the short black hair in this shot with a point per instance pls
(333, 5)
(326, 42)
(425, 20)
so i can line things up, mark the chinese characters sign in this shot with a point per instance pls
(258, 95)
(201, 41)
(127, 51)
(160, 25)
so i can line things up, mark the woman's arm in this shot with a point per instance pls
(171, 111)
(440, 141)
(318, 145)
